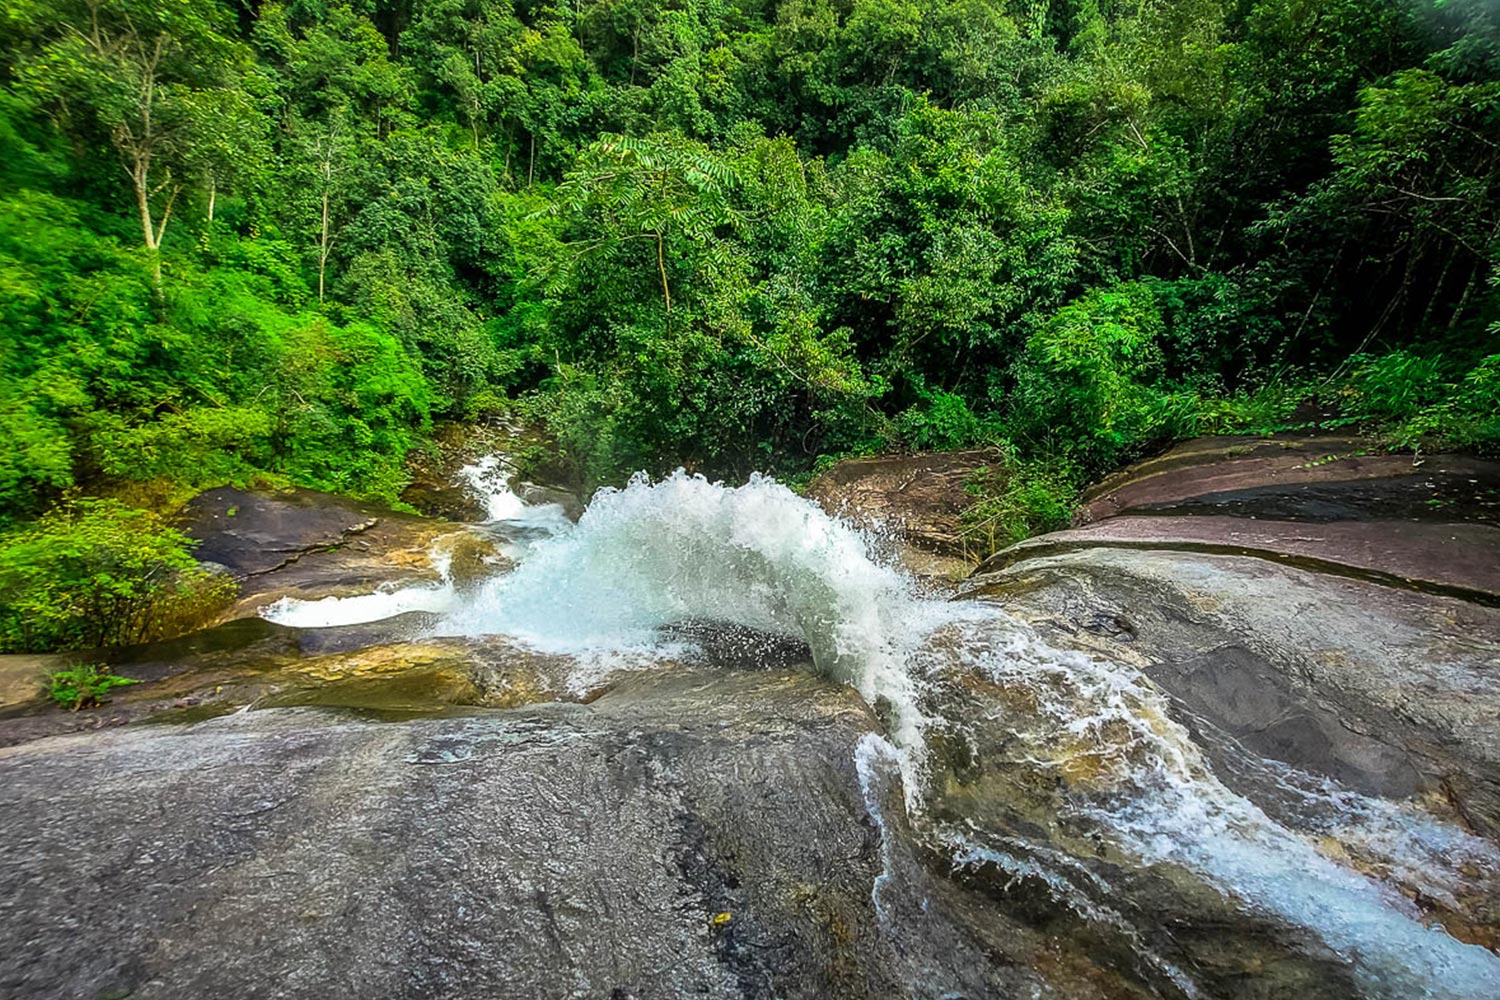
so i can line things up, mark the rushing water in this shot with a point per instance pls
(1088, 747)
(488, 480)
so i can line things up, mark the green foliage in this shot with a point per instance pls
(1393, 387)
(94, 573)
(278, 240)
(681, 329)
(1023, 498)
(1415, 403)
(938, 421)
(1091, 384)
(84, 686)
(1269, 408)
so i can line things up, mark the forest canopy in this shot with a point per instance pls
(247, 241)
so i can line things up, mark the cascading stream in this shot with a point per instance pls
(1092, 741)
(681, 549)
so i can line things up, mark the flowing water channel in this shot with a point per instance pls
(1021, 763)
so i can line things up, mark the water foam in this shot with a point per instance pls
(488, 480)
(682, 549)
(327, 612)
(685, 549)
(1135, 775)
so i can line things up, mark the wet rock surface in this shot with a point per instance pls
(388, 668)
(372, 810)
(1390, 692)
(684, 835)
(1443, 557)
(918, 497)
(309, 545)
(1207, 471)
(303, 540)
(1316, 603)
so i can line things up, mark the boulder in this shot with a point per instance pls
(309, 545)
(683, 835)
(539, 496)
(917, 498)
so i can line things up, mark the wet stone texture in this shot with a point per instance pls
(305, 544)
(1316, 603)
(1391, 692)
(914, 500)
(1300, 477)
(367, 811)
(685, 835)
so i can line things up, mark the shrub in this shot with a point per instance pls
(1392, 387)
(1423, 411)
(96, 573)
(1269, 408)
(1472, 413)
(1020, 499)
(939, 421)
(1090, 382)
(84, 686)
(37, 457)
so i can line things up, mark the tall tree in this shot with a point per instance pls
(157, 82)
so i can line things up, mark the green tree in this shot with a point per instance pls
(96, 573)
(157, 82)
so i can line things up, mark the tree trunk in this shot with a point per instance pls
(152, 230)
(323, 247)
(661, 267)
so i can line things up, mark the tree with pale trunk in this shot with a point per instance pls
(157, 81)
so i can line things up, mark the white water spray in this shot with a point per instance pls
(685, 549)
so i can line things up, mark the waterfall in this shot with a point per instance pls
(1093, 740)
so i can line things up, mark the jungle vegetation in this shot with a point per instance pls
(246, 241)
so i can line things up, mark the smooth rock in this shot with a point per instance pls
(382, 667)
(685, 835)
(23, 676)
(918, 497)
(1462, 558)
(309, 545)
(1219, 472)
(1392, 692)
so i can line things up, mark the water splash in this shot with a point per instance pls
(684, 549)
(327, 612)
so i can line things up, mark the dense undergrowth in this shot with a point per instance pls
(275, 242)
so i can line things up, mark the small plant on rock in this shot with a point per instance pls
(84, 686)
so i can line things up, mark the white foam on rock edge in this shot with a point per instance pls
(757, 555)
